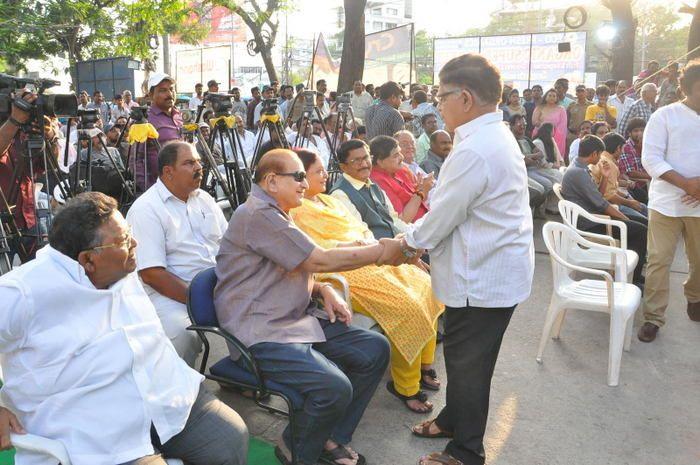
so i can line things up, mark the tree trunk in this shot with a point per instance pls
(266, 55)
(694, 34)
(623, 43)
(352, 63)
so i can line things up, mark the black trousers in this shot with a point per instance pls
(472, 341)
(640, 194)
(636, 240)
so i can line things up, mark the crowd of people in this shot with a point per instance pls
(436, 197)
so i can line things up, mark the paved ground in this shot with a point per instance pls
(561, 412)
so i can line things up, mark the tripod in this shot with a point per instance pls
(138, 150)
(341, 123)
(125, 192)
(32, 160)
(236, 168)
(270, 121)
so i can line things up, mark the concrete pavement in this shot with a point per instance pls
(561, 412)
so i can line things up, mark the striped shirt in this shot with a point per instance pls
(640, 109)
(382, 120)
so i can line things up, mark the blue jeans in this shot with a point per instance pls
(631, 213)
(337, 379)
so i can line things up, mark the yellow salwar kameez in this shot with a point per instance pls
(399, 298)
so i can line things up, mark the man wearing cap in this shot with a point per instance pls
(239, 106)
(196, 99)
(212, 87)
(167, 120)
(267, 93)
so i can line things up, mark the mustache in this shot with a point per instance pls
(197, 175)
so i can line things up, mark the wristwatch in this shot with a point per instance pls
(408, 252)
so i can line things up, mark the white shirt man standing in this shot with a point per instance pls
(672, 158)
(360, 100)
(621, 101)
(479, 224)
(197, 98)
(178, 227)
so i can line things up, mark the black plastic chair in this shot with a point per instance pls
(200, 307)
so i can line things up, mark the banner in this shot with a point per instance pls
(388, 55)
(225, 27)
(324, 66)
(523, 59)
(201, 65)
(446, 49)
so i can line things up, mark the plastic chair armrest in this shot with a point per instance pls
(602, 237)
(42, 445)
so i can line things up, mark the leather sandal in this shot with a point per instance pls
(442, 458)
(419, 396)
(331, 457)
(424, 431)
(430, 373)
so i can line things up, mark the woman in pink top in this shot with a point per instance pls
(549, 111)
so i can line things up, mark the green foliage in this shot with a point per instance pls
(87, 29)
(665, 40)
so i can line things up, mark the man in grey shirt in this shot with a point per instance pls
(578, 187)
(440, 148)
(265, 297)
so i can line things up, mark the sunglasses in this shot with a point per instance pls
(299, 176)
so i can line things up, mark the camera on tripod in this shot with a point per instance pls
(220, 103)
(269, 106)
(88, 118)
(52, 105)
(309, 98)
(139, 114)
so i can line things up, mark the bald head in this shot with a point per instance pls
(276, 161)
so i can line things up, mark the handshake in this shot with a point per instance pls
(396, 252)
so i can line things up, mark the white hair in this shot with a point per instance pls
(403, 132)
(649, 86)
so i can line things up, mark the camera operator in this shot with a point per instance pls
(167, 120)
(11, 147)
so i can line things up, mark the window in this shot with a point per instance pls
(391, 25)
(392, 12)
(377, 11)
(377, 25)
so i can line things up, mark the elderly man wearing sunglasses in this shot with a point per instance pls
(266, 297)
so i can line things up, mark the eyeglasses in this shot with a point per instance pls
(443, 97)
(359, 161)
(299, 176)
(126, 242)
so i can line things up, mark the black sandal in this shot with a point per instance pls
(420, 396)
(331, 457)
(432, 375)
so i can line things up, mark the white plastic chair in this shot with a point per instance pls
(619, 299)
(594, 258)
(557, 190)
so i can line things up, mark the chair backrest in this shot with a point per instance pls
(569, 212)
(200, 298)
(558, 238)
(557, 190)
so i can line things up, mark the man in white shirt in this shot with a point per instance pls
(86, 361)
(621, 101)
(310, 140)
(197, 98)
(584, 129)
(360, 100)
(178, 227)
(671, 156)
(479, 225)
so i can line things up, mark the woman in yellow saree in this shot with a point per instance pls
(399, 298)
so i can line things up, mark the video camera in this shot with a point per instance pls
(139, 114)
(220, 103)
(88, 118)
(51, 105)
(269, 106)
(309, 98)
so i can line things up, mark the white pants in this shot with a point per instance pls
(173, 316)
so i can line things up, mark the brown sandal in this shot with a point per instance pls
(424, 431)
(440, 457)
